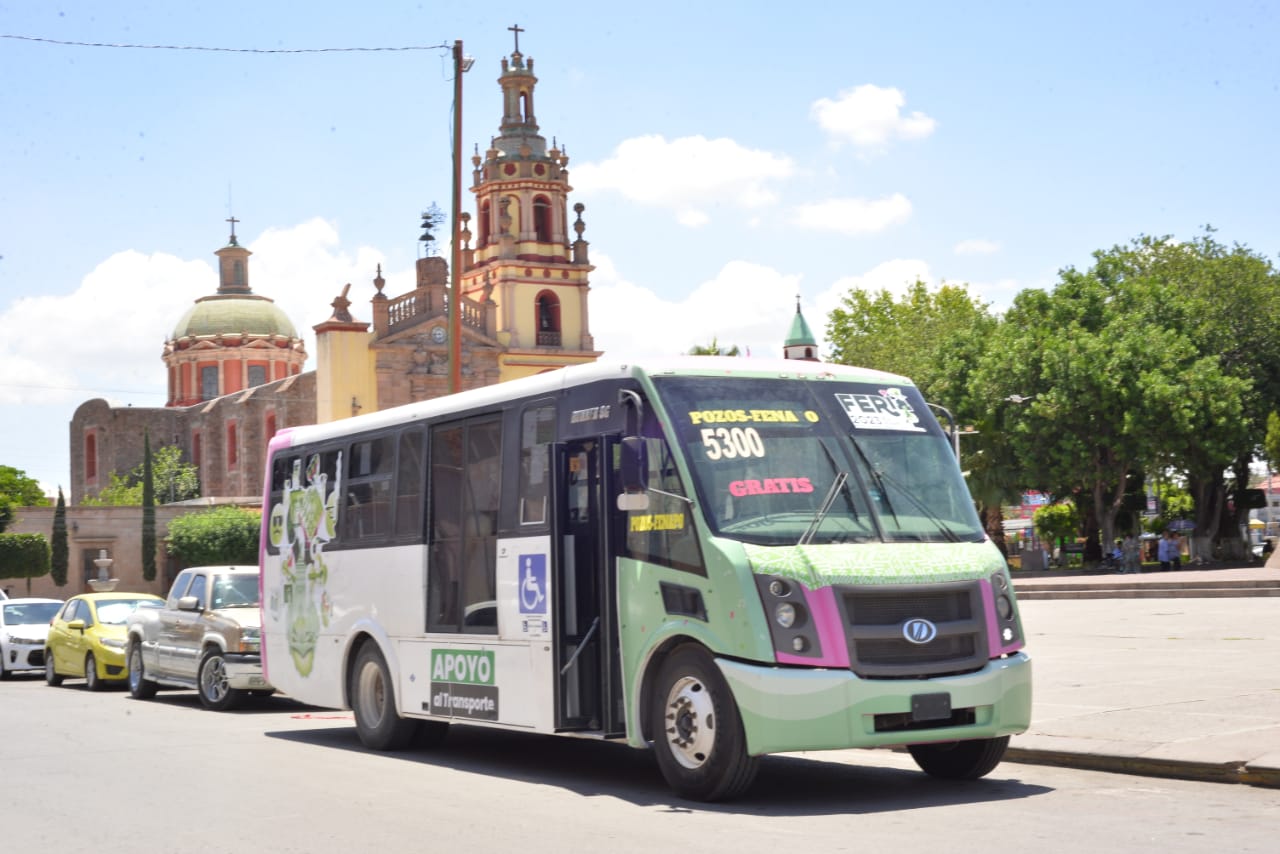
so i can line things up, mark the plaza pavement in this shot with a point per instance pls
(1173, 674)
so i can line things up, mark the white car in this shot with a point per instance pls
(24, 625)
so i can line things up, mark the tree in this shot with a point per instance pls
(148, 513)
(223, 535)
(1054, 523)
(18, 490)
(24, 556)
(714, 349)
(174, 480)
(60, 554)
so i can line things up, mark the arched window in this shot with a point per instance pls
(90, 456)
(482, 238)
(542, 218)
(547, 314)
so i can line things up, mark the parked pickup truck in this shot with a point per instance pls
(207, 636)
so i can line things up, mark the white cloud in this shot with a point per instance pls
(854, 216)
(747, 305)
(894, 276)
(977, 246)
(869, 117)
(687, 175)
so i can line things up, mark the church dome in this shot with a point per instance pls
(226, 314)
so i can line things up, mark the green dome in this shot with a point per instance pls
(228, 315)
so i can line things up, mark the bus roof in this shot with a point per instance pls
(575, 375)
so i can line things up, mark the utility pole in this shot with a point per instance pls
(455, 251)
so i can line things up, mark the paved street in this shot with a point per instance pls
(1173, 674)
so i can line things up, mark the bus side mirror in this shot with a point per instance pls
(633, 464)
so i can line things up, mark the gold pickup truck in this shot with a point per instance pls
(207, 636)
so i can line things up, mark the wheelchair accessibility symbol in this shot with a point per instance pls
(533, 584)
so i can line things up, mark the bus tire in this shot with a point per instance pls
(697, 731)
(960, 760)
(373, 700)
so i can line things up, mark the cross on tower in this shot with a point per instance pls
(517, 29)
(233, 222)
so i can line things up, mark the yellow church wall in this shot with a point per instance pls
(525, 296)
(344, 371)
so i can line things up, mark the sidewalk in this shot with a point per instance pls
(1173, 674)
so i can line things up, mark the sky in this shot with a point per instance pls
(732, 158)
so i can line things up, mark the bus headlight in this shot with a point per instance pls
(786, 607)
(785, 614)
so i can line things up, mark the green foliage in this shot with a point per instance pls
(24, 556)
(1271, 443)
(1056, 522)
(18, 490)
(148, 513)
(714, 349)
(60, 555)
(225, 535)
(174, 480)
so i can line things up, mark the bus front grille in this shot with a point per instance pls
(878, 621)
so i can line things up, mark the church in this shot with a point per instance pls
(234, 360)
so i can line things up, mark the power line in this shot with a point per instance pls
(64, 43)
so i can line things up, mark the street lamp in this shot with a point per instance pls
(461, 64)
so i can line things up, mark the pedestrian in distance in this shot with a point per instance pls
(1169, 551)
(1131, 549)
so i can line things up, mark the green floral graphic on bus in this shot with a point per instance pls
(875, 563)
(301, 525)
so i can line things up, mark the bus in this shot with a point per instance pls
(716, 558)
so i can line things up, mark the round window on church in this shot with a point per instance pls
(437, 334)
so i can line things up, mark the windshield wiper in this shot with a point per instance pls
(824, 508)
(881, 478)
(877, 476)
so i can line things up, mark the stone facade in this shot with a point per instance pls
(226, 438)
(90, 530)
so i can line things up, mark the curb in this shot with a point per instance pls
(1241, 773)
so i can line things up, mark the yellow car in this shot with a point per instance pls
(87, 638)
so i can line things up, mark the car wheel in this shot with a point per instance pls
(91, 680)
(216, 693)
(140, 686)
(696, 730)
(960, 760)
(373, 700)
(4, 674)
(51, 675)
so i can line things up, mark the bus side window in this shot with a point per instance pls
(466, 477)
(664, 533)
(537, 432)
(409, 472)
(368, 498)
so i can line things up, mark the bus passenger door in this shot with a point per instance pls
(586, 635)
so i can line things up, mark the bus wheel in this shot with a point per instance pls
(697, 733)
(960, 760)
(373, 700)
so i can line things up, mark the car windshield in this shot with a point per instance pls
(235, 591)
(29, 613)
(784, 461)
(116, 612)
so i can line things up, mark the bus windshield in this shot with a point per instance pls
(786, 461)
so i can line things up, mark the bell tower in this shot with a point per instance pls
(523, 261)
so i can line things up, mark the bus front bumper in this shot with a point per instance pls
(785, 708)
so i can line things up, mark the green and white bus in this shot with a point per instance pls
(717, 558)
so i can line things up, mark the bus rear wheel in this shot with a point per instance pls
(960, 760)
(697, 732)
(373, 700)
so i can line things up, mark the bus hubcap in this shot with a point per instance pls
(690, 722)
